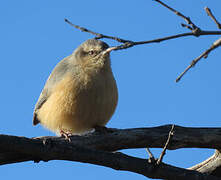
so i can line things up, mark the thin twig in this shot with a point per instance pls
(187, 19)
(196, 31)
(187, 26)
(149, 153)
(216, 44)
(98, 35)
(128, 43)
(209, 13)
(171, 133)
(151, 158)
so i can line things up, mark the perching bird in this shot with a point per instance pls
(80, 93)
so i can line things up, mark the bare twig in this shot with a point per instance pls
(216, 44)
(151, 158)
(195, 31)
(187, 19)
(187, 26)
(134, 43)
(209, 13)
(98, 35)
(171, 133)
(128, 43)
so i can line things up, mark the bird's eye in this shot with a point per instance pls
(92, 52)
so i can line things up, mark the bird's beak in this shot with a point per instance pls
(107, 51)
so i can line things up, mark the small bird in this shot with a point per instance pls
(81, 92)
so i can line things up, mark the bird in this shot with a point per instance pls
(81, 92)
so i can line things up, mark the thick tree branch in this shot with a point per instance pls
(154, 137)
(117, 139)
(46, 150)
(210, 166)
(93, 148)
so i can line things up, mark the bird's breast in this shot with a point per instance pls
(80, 102)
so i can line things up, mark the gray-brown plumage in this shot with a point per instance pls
(80, 93)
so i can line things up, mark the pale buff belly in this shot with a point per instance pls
(79, 108)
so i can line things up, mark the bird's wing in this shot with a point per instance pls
(57, 74)
(41, 100)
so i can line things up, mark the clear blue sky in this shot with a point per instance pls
(34, 38)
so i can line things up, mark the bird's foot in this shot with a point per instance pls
(66, 134)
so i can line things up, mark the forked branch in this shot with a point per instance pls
(195, 31)
(92, 148)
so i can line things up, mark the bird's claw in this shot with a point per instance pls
(66, 135)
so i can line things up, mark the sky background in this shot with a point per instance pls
(34, 38)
